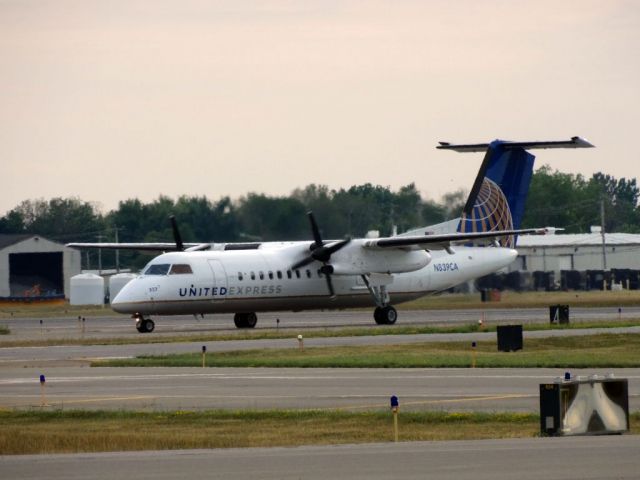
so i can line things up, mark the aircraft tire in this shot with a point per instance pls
(390, 315)
(377, 316)
(245, 320)
(252, 319)
(385, 315)
(148, 325)
(239, 320)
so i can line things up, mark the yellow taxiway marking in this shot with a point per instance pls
(109, 399)
(448, 400)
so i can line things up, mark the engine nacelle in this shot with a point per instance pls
(347, 262)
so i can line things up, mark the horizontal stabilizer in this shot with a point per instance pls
(575, 142)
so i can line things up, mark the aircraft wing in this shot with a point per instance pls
(443, 241)
(149, 247)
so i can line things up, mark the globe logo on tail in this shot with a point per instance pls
(490, 212)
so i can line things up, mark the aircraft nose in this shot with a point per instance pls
(125, 300)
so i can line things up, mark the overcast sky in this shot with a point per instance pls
(109, 100)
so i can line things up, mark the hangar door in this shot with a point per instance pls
(36, 274)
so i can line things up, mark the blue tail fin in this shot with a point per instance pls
(499, 193)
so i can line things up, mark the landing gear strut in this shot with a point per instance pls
(384, 314)
(245, 320)
(144, 325)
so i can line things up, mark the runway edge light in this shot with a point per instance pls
(395, 405)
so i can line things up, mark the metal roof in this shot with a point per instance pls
(7, 240)
(577, 239)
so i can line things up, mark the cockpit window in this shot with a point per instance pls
(180, 269)
(157, 269)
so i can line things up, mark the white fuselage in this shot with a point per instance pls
(262, 279)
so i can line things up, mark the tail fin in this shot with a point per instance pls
(499, 193)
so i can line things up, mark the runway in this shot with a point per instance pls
(152, 389)
(603, 457)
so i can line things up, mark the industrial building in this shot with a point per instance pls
(581, 252)
(585, 261)
(32, 267)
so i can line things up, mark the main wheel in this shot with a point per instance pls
(148, 325)
(245, 320)
(252, 319)
(377, 316)
(390, 315)
(385, 315)
(240, 320)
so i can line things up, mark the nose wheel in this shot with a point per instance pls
(144, 325)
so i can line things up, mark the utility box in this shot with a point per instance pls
(509, 338)
(584, 407)
(559, 314)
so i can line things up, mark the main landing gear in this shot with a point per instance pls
(144, 325)
(245, 320)
(384, 314)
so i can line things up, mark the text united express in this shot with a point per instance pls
(194, 291)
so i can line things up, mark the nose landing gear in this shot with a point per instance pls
(144, 325)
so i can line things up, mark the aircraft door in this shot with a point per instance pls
(220, 283)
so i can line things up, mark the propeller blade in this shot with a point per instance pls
(176, 234)
(316, 231)
(331, 249)
(302, 263)
(332, 292)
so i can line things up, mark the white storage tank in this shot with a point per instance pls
(116, 282)
(87, 289)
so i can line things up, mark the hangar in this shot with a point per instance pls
(32, 267)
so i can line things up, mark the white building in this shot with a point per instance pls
(32, 266)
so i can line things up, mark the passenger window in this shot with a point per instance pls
(240, 276)
(261, 275)
(157, 269)
(270, 275)
(308, 273)
(180, 269)
(279, 273)
(289, 274)
(253, 275)
(297, 273)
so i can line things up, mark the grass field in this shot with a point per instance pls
(593, 351)
(101, 431)
(266, 334)
(509, 299)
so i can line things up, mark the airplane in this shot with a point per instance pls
(246, 278)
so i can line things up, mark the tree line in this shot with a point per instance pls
(555, 199)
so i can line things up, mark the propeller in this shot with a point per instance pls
(321, 253)
(176, 234)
